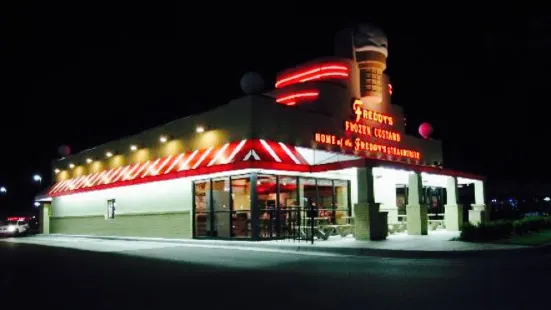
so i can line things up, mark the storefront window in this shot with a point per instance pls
(266, 188)
(287, 207)
(289, 212)
(325, 204)
(241, 206)
(202, 208)
(221, 207)
(307, 192)
(288, 192)
(342, 208)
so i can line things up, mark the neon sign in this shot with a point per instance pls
(366, 133)
(365, 130)
(365, 114)
(358, 144)
(294, 98)
(317, 72)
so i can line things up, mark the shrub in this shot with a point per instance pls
(500, 229)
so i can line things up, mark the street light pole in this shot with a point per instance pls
(38, 178)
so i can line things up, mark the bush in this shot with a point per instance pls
(500, 229)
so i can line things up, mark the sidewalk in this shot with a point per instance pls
(436, 245)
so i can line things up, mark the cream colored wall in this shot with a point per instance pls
(163, 196)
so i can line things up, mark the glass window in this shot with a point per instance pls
(307, 191)
(325, 200)
(342, 207)
(266, 188)
(288, 192)
(289, 211)
(202, 208)
(221, 207)
(241, 206)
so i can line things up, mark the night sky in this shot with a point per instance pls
(94, 75)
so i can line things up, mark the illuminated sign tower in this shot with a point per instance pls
(368, 47)
(371, 51)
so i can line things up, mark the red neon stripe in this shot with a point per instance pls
(319, 72)
(294, 98)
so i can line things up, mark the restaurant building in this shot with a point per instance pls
(326, 137)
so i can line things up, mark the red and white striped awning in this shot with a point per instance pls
(174, 165)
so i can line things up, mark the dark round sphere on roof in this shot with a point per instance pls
(64, 150)
(252, 83)
(369, 35)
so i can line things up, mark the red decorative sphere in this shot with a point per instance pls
(425, 130)
(64, 151)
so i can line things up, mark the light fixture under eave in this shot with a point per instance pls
(89, 160)
(71, 165)
(163, 139)
(108, 154)
(200, 129)
(57, 171)
(133, 148)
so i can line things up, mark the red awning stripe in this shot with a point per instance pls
(175, 163)
(244, 150)
(186, 162)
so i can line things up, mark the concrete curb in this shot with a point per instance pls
(307, 248)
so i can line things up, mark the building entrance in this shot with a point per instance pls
(268, 207)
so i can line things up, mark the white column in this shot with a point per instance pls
(369, 223)
(478, 214)
(366, 188)
(415, 210)
(479, 198)
(385, 194)
(45, 218)
(453, 214)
